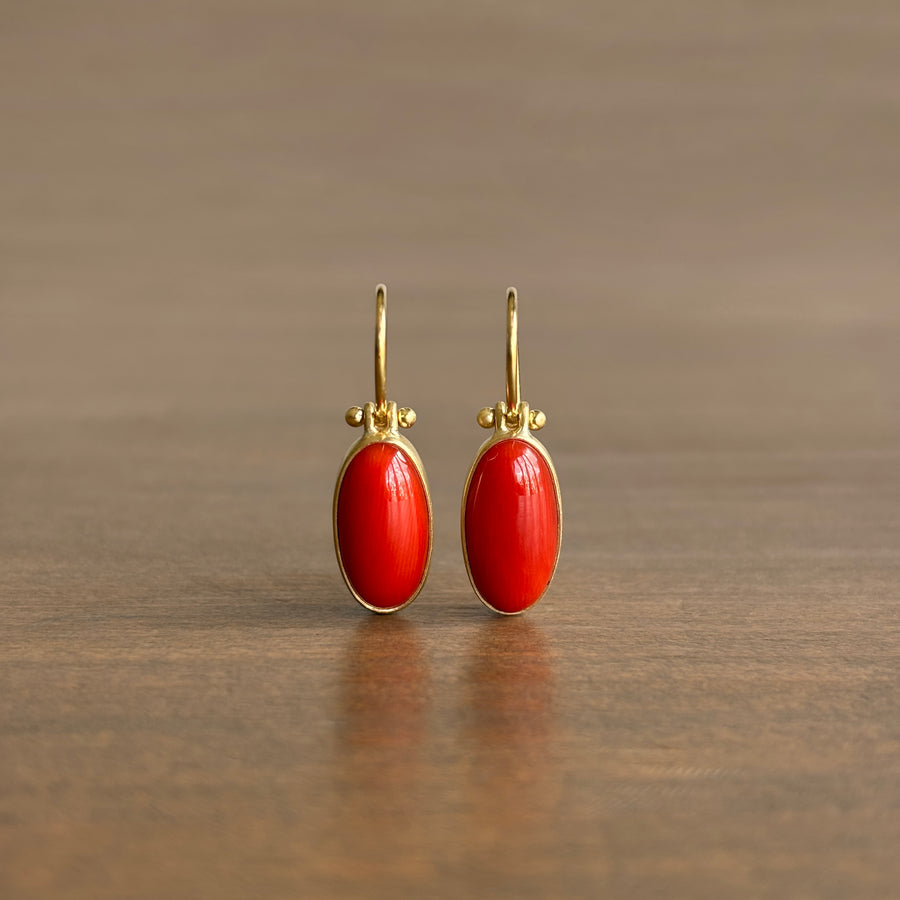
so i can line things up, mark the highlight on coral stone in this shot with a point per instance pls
(511, 525)
(382, 525)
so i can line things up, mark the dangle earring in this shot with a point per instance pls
(382, 509)
(511, 507)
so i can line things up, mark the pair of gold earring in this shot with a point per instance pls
(511, 507)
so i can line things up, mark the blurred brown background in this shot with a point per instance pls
(700, 206)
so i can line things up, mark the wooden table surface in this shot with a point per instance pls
(700, 206)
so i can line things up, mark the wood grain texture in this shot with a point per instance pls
(698, 203)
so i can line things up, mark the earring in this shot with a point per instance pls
(383, 526)
(511, 507)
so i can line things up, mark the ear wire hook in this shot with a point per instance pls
(512, 350)
(380, 349)
(381, 415)
(512, 415)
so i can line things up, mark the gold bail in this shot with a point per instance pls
(512, 350)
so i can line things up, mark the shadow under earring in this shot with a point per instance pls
(383, 526)
(511, 507)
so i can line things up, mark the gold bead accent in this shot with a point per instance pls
(486, 417)
(407, 417)
(537, 419)
(354, 416)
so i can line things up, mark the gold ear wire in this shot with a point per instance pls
(355, 416)
(380, 349)
(512, 349)
(487, 416)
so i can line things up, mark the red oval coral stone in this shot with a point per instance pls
(382, 525)
(512, 525)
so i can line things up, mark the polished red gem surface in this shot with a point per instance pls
(512, 525)
(382, 525)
